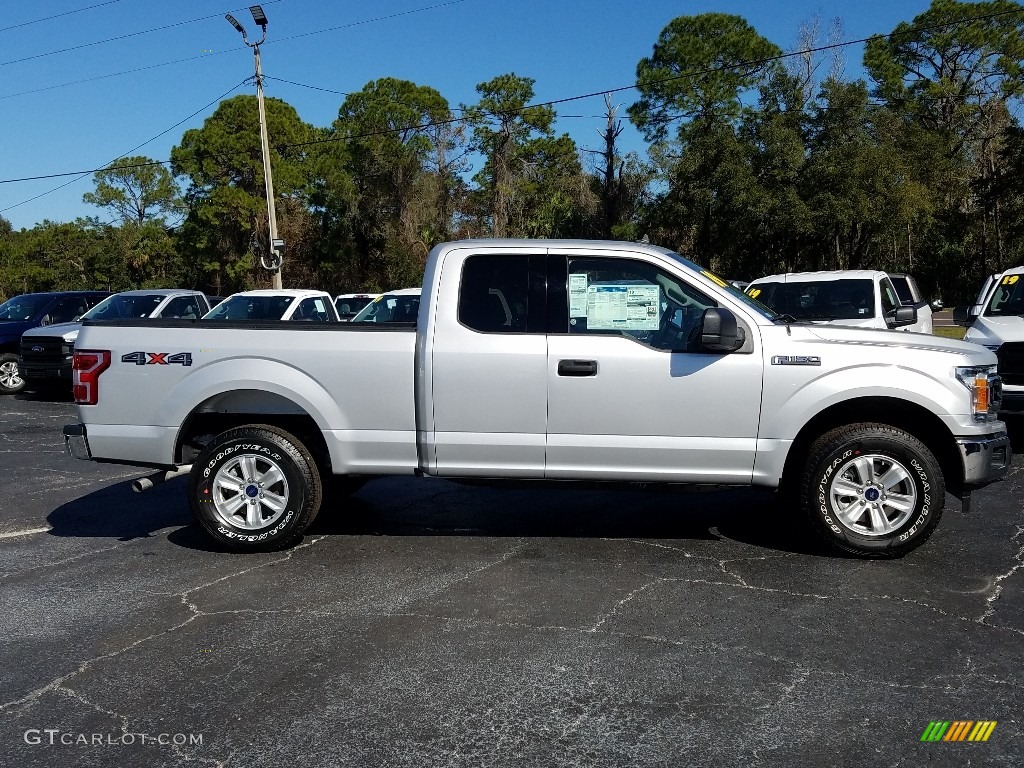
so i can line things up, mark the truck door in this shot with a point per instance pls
(488, 367)
(630, 394)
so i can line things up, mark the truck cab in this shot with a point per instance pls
(996, 322)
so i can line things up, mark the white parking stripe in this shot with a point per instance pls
(26, 532)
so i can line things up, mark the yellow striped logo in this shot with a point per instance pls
(959, 730)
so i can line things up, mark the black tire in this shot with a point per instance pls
(10, 380)
(236, 510)
(872, 490)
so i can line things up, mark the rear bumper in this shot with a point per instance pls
(985, 458)
(76, 442)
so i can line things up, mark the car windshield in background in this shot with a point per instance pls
(850, 299)
(390, 309)
(1008, 297)
(250, 308)
(350, 307)
(117, 306)
(725, 285)
(23, 307)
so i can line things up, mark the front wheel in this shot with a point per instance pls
(254, 489)
(873, 490)
(10, 377)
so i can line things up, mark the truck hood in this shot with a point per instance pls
(995, 330)
(900, 342)
(67, 331)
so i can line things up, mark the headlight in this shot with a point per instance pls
(986, 390)
(67, 349)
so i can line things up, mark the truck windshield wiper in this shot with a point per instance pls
(820, 317)
(787, 319)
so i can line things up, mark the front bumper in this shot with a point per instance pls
(1013, 401)
(75, 441)
(985, 458)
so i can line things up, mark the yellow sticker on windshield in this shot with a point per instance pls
(715, 278)
(754, 293)
(1010, 279)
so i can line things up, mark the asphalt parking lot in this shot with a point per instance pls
(432, 624)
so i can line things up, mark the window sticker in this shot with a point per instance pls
(1010, 279)
(612, 306)
(578, 295)
(754, 293)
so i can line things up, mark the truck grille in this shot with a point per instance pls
(1011, 362)
(41, 349)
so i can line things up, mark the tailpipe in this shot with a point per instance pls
(145, 483)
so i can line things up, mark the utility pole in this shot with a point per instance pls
(275, 259)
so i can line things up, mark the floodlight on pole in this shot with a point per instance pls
(274, 260)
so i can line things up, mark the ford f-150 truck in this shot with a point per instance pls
(548, 360)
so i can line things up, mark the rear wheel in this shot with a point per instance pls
(255, 488)
(872, 490)
(10, 377)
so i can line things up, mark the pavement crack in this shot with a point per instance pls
(196, 612)
(997, 582)
(615, 608)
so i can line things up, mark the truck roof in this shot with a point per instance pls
(835, 274)
(294, 293)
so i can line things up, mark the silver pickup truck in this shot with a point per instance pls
(553, 360)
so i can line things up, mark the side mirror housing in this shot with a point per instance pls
(965, 316)
(719, 331)
(903, 316)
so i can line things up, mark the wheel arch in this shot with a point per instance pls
(912, 418)
(246, 407)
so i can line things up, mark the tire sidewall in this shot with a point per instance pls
(283, 531)
(7, 357)
(924, 473)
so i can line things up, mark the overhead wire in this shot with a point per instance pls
(550, 103)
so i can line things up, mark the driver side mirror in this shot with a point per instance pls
(965, 316)
(719, 331)
(903, 316)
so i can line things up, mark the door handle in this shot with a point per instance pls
(577, 367)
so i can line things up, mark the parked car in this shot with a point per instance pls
(47, 351)
(401, 306)
(349, 304)
(861, 298)
(28, 311)
(554, 360)
(997, 322)
(310, 306)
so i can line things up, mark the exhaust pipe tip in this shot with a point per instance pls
(145, 483)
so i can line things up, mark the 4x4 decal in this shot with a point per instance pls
(158, 358)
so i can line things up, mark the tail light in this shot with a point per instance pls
(86, 369)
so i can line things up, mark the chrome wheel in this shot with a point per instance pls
(249, 492)
(10, 379)
(873, 495)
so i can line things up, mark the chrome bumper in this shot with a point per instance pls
(986, 459)
(75, 441)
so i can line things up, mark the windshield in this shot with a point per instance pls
(390, 308)
(350, 306)
(726, 286)
(124, 306)
(849, 299)
(1008, 297)
(23, 307)
(250, 308)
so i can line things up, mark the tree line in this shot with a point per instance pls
(757, 161)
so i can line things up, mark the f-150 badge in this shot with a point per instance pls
(158, 358)
(796, 360)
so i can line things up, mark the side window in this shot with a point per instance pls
(66, 310)
(493, 294)
(890, 299)
(311, 310)
(621, 297)
(184, 307)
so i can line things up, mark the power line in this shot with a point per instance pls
(82, 174)
(553, 102)
(57, 16)
(118, 37)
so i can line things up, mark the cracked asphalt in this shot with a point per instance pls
(431, 624)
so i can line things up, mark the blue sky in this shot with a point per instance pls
(102, 77)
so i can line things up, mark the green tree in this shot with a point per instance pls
(531, 180)
(226, 227)
(699, 71)
(136, 189)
